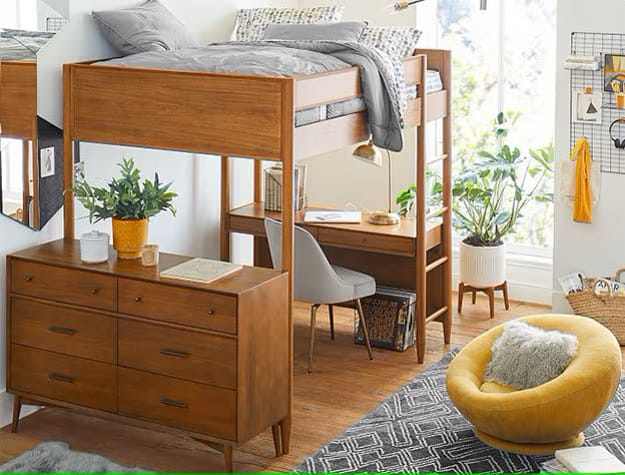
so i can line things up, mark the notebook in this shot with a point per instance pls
(342, 217)
(199, 270)
(589, 460)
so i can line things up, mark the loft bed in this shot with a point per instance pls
(253, 116)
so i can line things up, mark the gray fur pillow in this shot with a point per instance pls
(525, 356)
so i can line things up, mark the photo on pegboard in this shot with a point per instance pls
(614, 75)
(587, 107)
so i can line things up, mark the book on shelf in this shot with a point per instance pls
(595, 459)
(203, 271)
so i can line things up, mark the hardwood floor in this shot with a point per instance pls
(344, 386)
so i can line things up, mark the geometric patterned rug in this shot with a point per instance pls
(418, 429)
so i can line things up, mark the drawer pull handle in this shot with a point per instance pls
(28, 278)
(211, 310)
(64, 330)
(172, 402)
(61, 377)
(138, 299)
(94, 291)
(178, 353)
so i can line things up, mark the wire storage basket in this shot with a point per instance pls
(606, 306)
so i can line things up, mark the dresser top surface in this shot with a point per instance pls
(66, 253)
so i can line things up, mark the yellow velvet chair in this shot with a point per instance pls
(546, 418)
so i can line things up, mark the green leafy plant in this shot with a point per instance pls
(126, 197)
(491, 193)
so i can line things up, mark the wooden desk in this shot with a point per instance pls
(206, 361)
(387, 253)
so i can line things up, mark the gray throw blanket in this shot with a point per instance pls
(383, 81)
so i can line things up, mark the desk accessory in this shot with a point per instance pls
(203, 271)
(370, 154)
(334, 217)
(273, 187)
(149, 255)
(94, 247)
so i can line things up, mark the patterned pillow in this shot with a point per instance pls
(396, 41)
(251, 22)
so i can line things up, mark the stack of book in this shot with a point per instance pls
(583, 460)
(273, 188)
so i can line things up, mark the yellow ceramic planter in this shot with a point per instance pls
(129, 235)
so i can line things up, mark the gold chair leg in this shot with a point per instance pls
(313, 324)
(331, 311)
(365, 331)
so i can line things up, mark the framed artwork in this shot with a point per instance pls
(614, 73)
(587, 107)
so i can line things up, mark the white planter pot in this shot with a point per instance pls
(482, 266)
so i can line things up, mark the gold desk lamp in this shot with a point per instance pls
(370, 154)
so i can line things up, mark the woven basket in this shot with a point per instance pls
(608, 310)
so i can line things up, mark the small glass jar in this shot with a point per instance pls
(94, 247)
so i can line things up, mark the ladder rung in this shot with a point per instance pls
(437, 213)
(436, 264)
(436, 314)
(440, 158)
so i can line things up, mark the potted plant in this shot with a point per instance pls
(130, 203)
(490, 195)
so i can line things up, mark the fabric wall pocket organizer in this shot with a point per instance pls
(580, 181)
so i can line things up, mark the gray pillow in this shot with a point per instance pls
(342, 31)
(525, 356)
(396, 41)
(148, 27)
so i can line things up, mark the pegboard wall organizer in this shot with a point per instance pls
(598, 135)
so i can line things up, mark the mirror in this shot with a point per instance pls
(31, 180)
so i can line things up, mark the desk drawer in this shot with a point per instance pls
(195, 407)
(372, 242)
(199, 357)
(71, 332)
(64, 378)
(168, 303)
(78, 287)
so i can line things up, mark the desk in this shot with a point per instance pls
(388, 253)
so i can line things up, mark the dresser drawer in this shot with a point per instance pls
(196, 308)
(78, 287)
(374, 242)
(72, 332)
(195, 407)
(184, 354)
(64, 378)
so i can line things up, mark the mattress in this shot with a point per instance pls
(357, 104)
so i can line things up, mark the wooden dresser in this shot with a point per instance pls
(207, 361)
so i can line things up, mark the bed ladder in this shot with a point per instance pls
(435, 271)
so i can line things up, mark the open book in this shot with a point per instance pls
(199, 270)
(590, 460)
(342, 217)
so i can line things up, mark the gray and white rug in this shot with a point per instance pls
(418, 429)
(56, 457)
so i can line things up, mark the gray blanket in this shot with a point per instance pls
(383, 82)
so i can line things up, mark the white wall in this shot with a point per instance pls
(597, 248)
(196, 178)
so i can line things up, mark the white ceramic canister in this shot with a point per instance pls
(94, 247)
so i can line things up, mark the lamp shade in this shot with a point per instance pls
(368, 153)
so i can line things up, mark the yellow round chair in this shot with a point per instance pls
(546, 418)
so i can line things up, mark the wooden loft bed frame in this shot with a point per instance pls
(234, 115)
(18, 119)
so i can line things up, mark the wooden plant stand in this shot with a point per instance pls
(489, 291)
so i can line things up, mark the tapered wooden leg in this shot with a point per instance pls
(227, 450)
(17, 408)
(285, 430)
(331, 310)
(277, 442)
(460, 296)
(447, 327)
(505, 295)
(491, 301)
(365, 330)
(474, 296)
(311, 344)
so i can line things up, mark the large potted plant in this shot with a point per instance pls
(490, 194)
(130, 203)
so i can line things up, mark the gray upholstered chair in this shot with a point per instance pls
(318, 282)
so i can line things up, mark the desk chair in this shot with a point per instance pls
(319, 282)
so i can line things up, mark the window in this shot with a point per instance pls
(504, 60)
